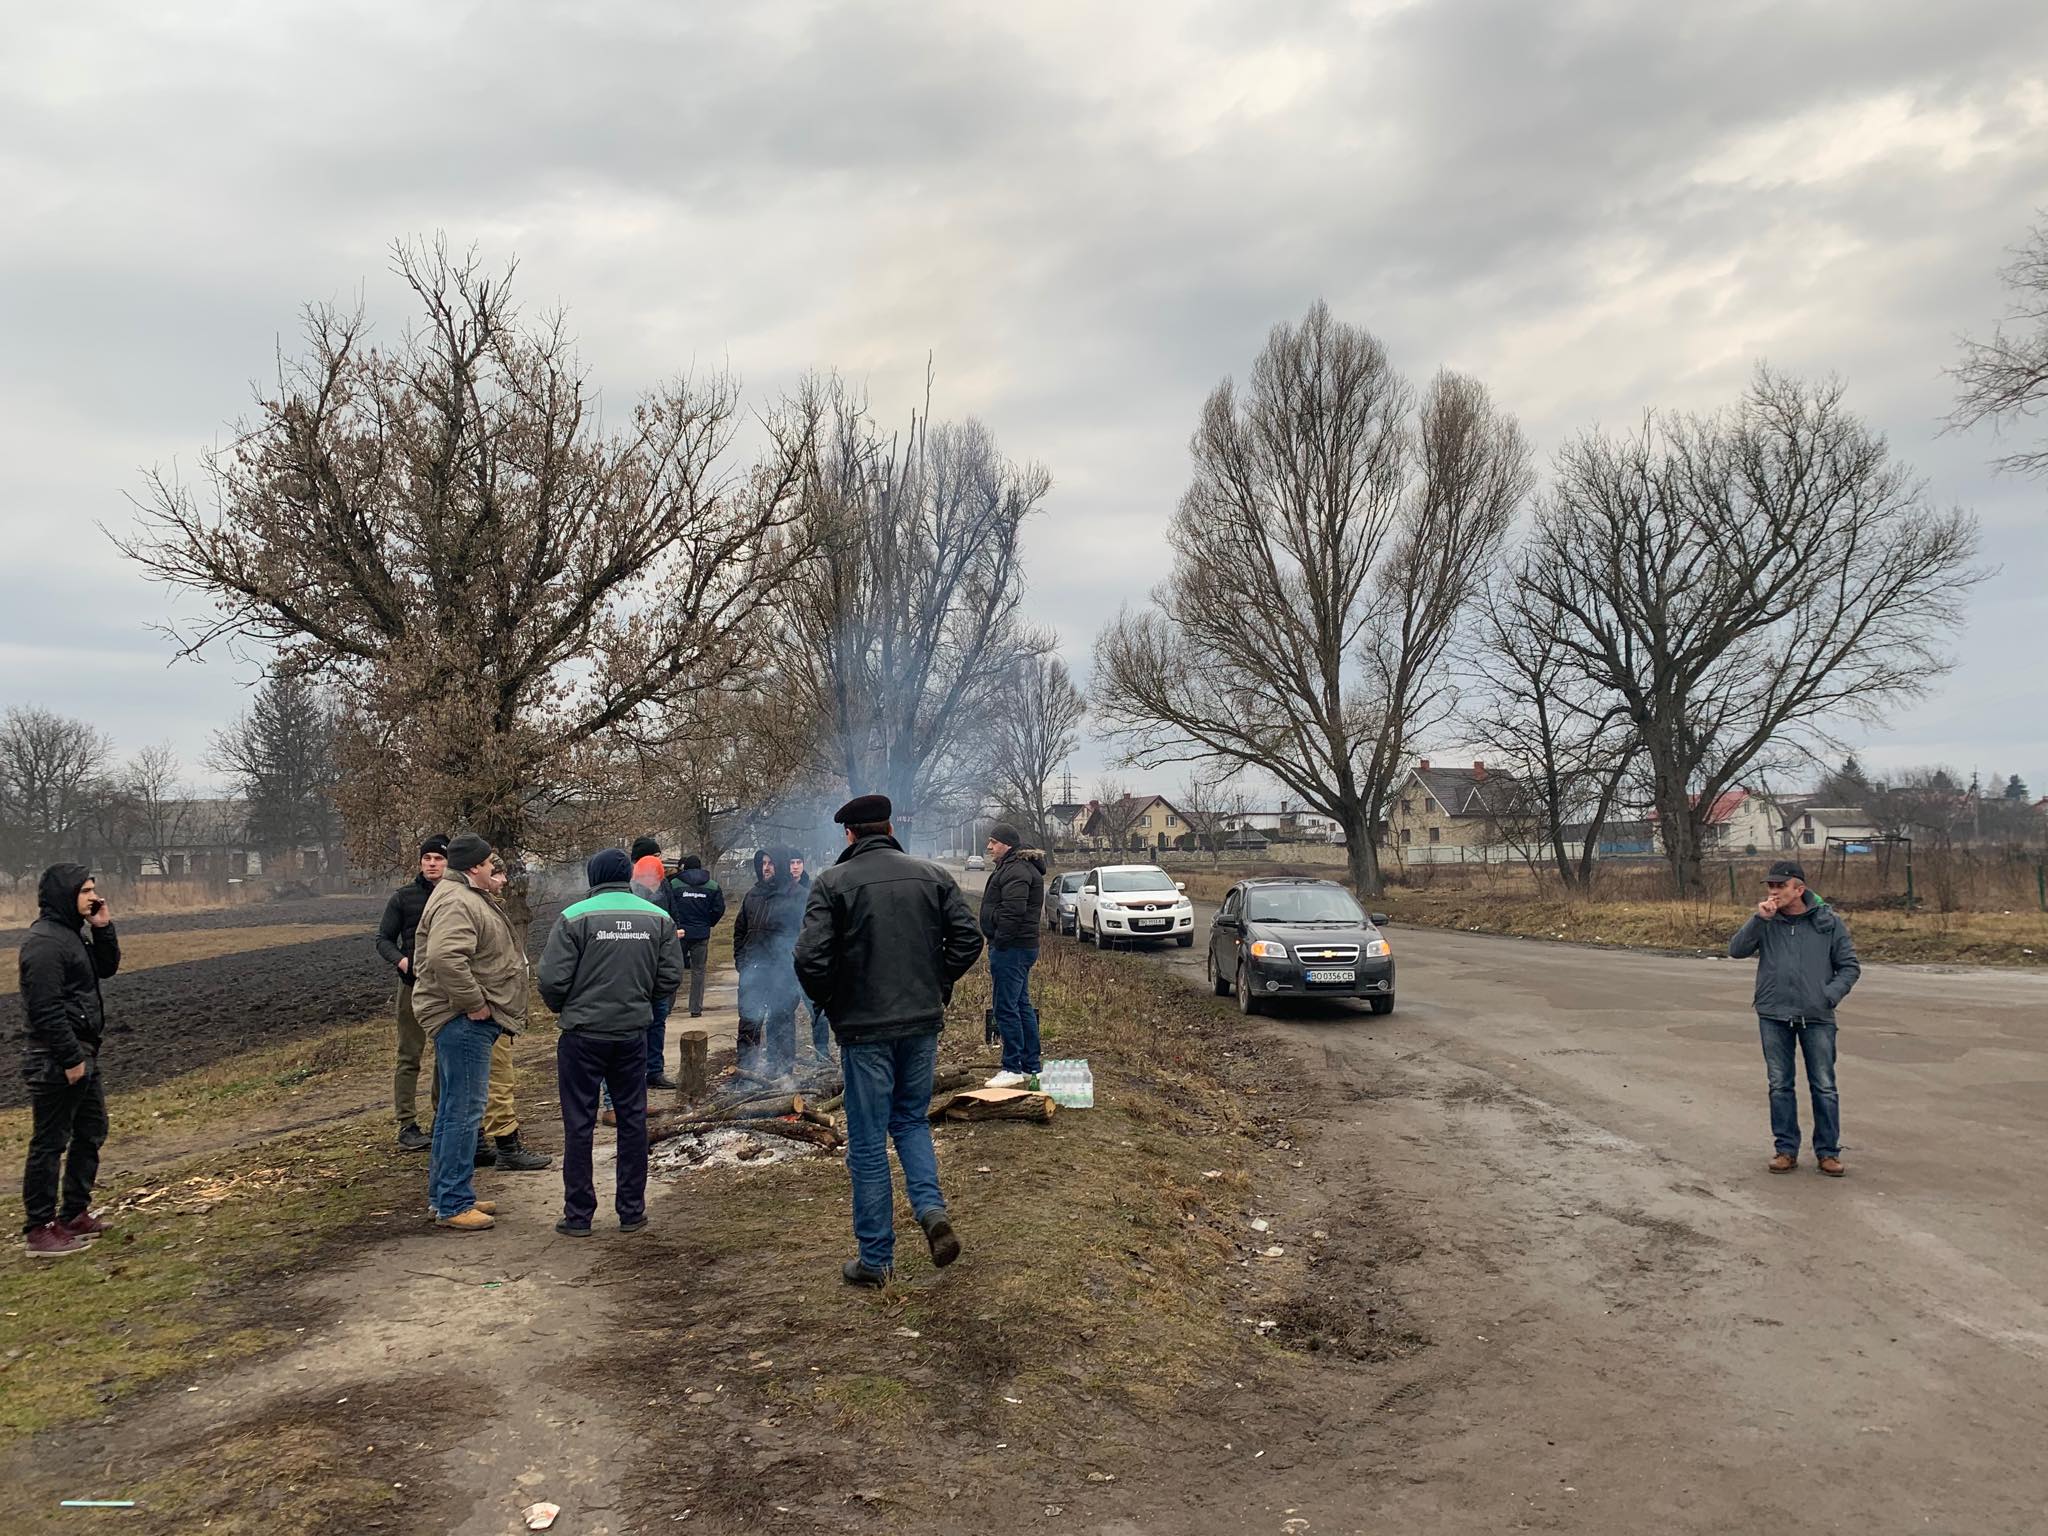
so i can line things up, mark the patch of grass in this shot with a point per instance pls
(172, 1289)
(1091, 1298)
(1985, 938)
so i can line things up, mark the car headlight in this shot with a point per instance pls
(1266, 949)
(1377, 947)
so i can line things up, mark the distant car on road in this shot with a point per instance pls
(1062, 902)
(1277, 939)
(975, 861)
(1132, 903)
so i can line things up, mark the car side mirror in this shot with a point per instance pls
(1380, 919)
(1180, 885)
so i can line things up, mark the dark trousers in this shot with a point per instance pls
(697, 960)
(69, 1127)
(767, 1040)
(821, 1032)
(582, 1066)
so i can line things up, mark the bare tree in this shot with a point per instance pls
(51, 785)
(734, 760)
(1204, 800)
(909, 619)
(448, 528)
(1116, 812)
(1326, 552)
(1734, 582)
(1565, 740)
(2005, 380)
(154, 785)
(1033, 729)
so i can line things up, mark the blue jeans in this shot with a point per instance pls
(1817, 1043)
(889, 1098)
(462, 1075)
(1009, 974)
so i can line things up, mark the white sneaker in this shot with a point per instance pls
(1008, 1080)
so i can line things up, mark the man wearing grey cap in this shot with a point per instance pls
(1806, 965)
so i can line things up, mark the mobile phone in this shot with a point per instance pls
(98, 906)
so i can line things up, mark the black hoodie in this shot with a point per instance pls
(764, 937)
(62, 961)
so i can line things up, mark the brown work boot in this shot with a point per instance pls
(472, 1220)
(1832, 1167)
(1784, 1162)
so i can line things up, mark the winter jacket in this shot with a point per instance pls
(1807, 963)
(608, 960)
(696, 903)
(467, 957)
(1013, 899)
(401, 923)
(62, 961)
(763, 940)
(885, 936)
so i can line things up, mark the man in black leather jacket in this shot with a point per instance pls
(885, 937)
(70, 948)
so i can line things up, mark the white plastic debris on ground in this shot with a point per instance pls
(723, 1148)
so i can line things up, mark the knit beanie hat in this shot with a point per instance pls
(643, 846)
(691, 861)
(608, 866)
(438, 843)
(466, 852)
(1007, 835)
(648, 871)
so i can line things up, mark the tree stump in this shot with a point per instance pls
(690, 1074)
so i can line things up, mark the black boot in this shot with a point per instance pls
(486, 1156)
(938, 1232)
(515, 1158)
(412, 1139)
(856, 1273)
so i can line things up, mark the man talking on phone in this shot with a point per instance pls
(1806, 965)
(70, 947)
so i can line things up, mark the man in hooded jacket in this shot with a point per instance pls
(763, 947)
(71, 947)
(395, 936)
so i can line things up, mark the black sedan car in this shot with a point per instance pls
(1274, 940)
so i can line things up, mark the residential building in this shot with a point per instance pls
(1292, 822)
(1456, 816)
(1136, 823)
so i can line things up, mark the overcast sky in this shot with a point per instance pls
(1087, 214)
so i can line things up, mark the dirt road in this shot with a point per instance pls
(1634, 1327)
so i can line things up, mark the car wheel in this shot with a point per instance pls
(1246, 1002)
(1184, 940)
(1097, 935)
(1216, 982)
(1382, 1005)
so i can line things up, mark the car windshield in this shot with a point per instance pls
(1303, 904)
(1071, 882)
(1136, 880)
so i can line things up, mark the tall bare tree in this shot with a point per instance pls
(52, 779)
(448, 527)
(1034, 727)
(1325, 553)
(153, 782)
(1566, 741)
(2005, 380)
(1204, 800)
(1734, 582)
(1116, 812)
(908, 620)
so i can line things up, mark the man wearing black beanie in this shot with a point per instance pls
(394, 942)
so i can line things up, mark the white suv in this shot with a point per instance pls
(1130, 903)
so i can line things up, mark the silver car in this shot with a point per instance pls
(1061, 910)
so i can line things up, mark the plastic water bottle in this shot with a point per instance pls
(1083, 1087)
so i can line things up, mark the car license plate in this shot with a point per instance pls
(1332, 976)
(1154, 922)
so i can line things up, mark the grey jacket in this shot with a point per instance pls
(1807, 963)
(607, 960)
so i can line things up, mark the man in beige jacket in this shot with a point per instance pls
(471, 990)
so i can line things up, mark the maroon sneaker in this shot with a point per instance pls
(85, 1225)
(51, 1241)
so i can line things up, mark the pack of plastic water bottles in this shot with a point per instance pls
(1068, 1084)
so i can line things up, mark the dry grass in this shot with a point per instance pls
(142, 951)
(18, 905)
(1986, 938)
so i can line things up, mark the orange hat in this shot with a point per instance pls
(648, 870)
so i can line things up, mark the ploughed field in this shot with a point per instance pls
(174, 1016)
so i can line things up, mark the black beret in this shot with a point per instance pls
(863, 810)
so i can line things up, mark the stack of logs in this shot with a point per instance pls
(743, 1102)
